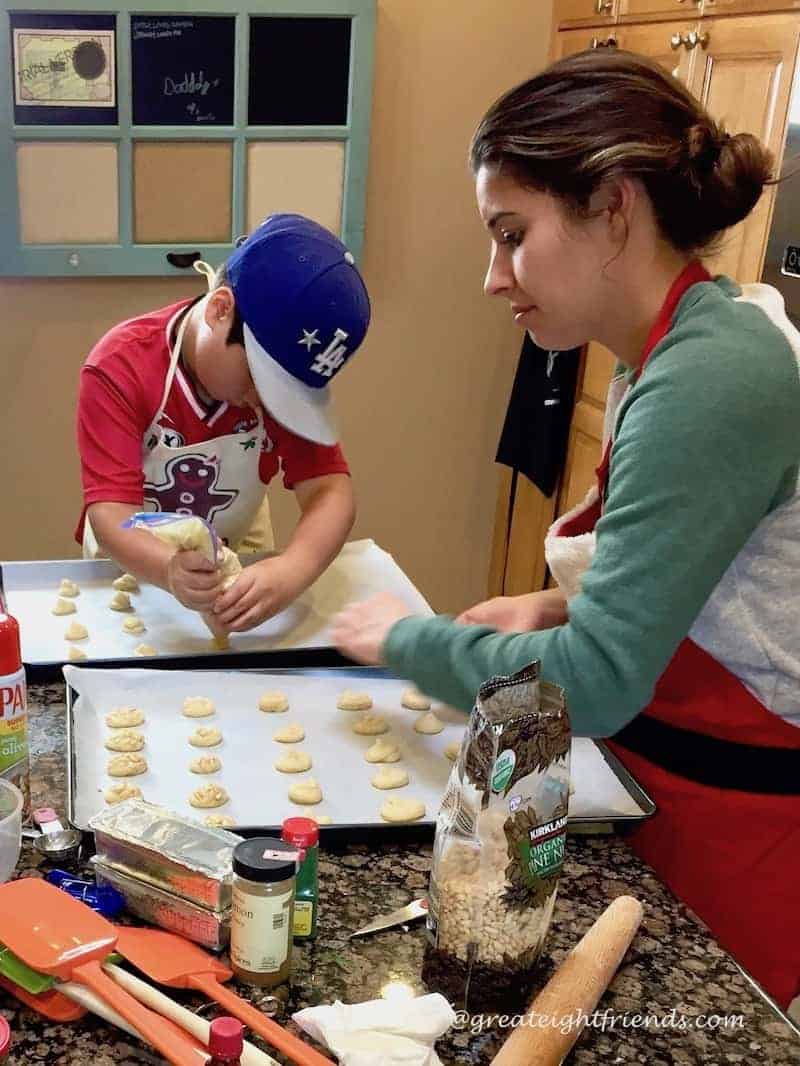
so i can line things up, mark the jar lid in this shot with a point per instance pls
(265, 859)
(5, 1036)
(225, 1038)
(301, 831)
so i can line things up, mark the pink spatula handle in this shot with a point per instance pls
(281, 1039)
(175, 1045)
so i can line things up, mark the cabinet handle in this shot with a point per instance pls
(676, 40)
(609, 42)
(604, 7)
(693, 38)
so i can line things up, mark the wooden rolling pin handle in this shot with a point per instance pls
(576, 986)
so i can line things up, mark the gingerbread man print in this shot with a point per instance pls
(190, 487)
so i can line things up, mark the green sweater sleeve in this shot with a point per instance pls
(702, 449)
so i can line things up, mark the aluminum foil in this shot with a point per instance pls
(168, 851)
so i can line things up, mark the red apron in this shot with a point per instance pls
(731, 852)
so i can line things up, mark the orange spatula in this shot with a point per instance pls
(60, 936)
(170, 960)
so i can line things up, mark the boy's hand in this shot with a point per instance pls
(192, 580)
(259, 592)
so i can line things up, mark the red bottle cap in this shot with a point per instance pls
(225, 1038)
(10, 654)
(304, 832)
(5, 1036)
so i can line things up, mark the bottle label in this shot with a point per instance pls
(303, 917)
(13, 728)
(260, 930)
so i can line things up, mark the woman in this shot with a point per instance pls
(677, 630)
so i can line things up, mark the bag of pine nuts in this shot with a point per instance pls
(499, 845)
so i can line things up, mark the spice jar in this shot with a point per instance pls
(261, 916)
(303, 833)
(5, 1037)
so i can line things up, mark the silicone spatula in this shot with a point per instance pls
(15, 970)
(49, 1004)
(60, 936)
(170, 960)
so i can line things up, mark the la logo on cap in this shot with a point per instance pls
(327, 362)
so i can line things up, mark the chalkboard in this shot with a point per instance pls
(183, 69)
(64, 69)
(299, 71)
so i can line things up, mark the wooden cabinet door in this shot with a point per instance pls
(744, 7)
(653, 10)
(743, 73)
(571, 11)
(664, 42)
(568, 42)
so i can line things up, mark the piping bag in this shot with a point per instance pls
(190, 533)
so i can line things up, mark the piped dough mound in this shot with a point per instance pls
(125, 740)
(126, 583)
(120, 791)
(68, 588)
(428, 724)
(383, 750)
(306, 792)
(120, 601)
(292, 733)
(130, 764)
(209, 796)
(273, 703)
(76, 631)
(144, 649)
(62, 606)
(124, 717)
(350, 700)
(371, 725)
(205, 764)
(400, 809)
(415, 700)
(390, 777)
(134, 625)
(219, 821)
(197, 707)
(293, 762)
(205, 737)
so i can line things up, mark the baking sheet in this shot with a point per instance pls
(360, 570)
(258, 793)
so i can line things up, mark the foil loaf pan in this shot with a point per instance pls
(167, 851)
(211, 929)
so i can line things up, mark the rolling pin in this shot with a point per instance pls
(577, 984)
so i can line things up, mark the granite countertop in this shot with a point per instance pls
(674, 970)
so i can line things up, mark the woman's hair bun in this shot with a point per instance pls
(730, 173)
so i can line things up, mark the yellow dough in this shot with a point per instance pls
(209, 796)
(125, 740)
(187, 534)
(205, 764)
(68, 588)
(219, 821)
(306, 792)
(383, 750)
(320, 819)
(120, 601)
(415, 700)
(290, 734)
(197, 707)
(126, 583)
(350, 700)
(124, 717)
(63, 607)
(229, 567)
(370, 725)
(122, 791)
(429, 724)
(131, 764)
(390, 777)
(76, 631)
(144, 649)
(75, 655)
(205, 737)
(274, 702)
(398, 809)
(293, 762)
(220, 642)
(133, 624)
(452, 750)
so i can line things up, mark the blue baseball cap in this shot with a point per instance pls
(305, 310)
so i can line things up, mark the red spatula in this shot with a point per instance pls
(60, 936)
(170, 960)
(49, 1004)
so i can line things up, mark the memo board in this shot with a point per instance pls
(137, 139)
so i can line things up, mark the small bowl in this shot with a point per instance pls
(10, 828)
(61, 846)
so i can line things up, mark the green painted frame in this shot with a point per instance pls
(126, 257)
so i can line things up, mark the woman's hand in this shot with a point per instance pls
(259, 592)
(361, 629)
(519, 614)
(192, 580)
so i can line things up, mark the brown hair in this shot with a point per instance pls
(608, 114)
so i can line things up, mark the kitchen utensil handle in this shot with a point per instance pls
(174, 1044)
(577, 985)
(91, 1001)
(197, 1026)
(281, 1039)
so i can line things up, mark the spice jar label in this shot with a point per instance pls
(503, 769)
(260, 931)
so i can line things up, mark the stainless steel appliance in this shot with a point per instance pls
(782, 261)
